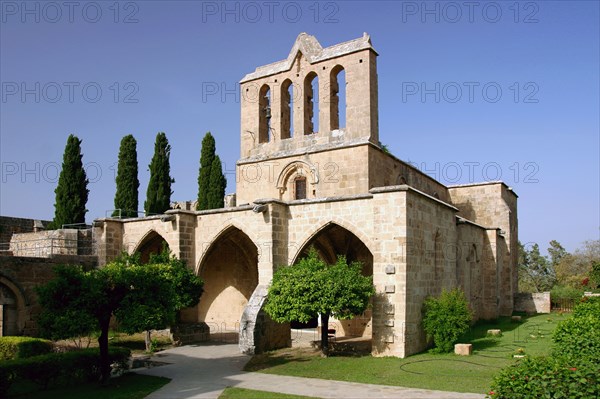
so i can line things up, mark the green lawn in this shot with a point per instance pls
(128, 386)
(241, 393)
(447, 372)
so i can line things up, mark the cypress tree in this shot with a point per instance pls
(217, 184)
(126, 197)
(158, 195)
(71, 190)
(207, 156)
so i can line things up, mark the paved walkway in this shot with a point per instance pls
(204, 371)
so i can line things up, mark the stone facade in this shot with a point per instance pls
(334, 188)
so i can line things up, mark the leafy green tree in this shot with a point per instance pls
(446, 318)
(158, 195)
(311, 287)
(574, 268)
(536, 272)
(207, 156)
(217, 185)
(140, 297)
(126, 197)
(71, 190)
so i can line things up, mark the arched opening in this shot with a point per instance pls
(230, 273)
(8, 312)
(330, 242)
(337, 96)
(311, 103)
(264, 114)
(287, 109)
(153, 243)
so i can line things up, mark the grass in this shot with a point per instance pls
(242, 393)
(135, 342)
(128, 386)
(446, 372)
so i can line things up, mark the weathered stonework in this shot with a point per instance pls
(335, 189)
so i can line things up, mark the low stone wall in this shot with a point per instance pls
(11, 225)
(53, 242)
(538, 302)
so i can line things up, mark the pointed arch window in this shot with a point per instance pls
(337, 96)
(264, 114)
(287, 109)
(311, 103)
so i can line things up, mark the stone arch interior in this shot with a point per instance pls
(230, 274)
(330, 242)
(264, 114)
(287, 109)
(337, 97)
(8, 312)
(152, 244)
(311, 103)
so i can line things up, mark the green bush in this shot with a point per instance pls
(565, 292)
(58, 369)
(588, 306)
(23, 347)
(573, 370)
(548, 378)
(446, 318)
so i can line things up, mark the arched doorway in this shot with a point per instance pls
(230, 273)
(330, 242)
(8, 312)
(153, 243)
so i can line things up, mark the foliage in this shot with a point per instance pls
(594, 279)
(536, 272)
(207, 156)
(446, 318)
(59, 368)
(311, 287)
(243, 393)
(158, 195)
(565, 292)
(572, 371)
(140, 297)
(126, 197)
(211, 181)
(573, 269)
(547, 377)
(217, 185)
(23, 347)
(71, 190)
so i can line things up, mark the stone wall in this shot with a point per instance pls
(537, 302)
(22, 274)
(11, 225)
(52, 242)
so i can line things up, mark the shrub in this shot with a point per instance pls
(446, 318)
(588, 306)
(23, 347)
(565, 292)
(547, 377)
(60, 368)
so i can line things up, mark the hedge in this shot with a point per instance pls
(59, 369)
(23, 347)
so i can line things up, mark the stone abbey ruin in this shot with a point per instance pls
(335, 188)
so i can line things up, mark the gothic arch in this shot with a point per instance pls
(311, 108)
(264, 114)
(364, 238)
(151, 243)
(287, 109)
(12, 305)
(229, 269)
(335, 89)
(294, 169)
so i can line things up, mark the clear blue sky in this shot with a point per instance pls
(517, 88)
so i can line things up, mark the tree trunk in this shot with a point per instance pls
(325, 334)
(103, 343)
(148, 340)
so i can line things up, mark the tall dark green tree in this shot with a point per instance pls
(71, 191)
(126, 197)
(217, 185)
(158, 195)
(207, 156)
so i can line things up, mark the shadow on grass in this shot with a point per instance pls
(273, 359)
